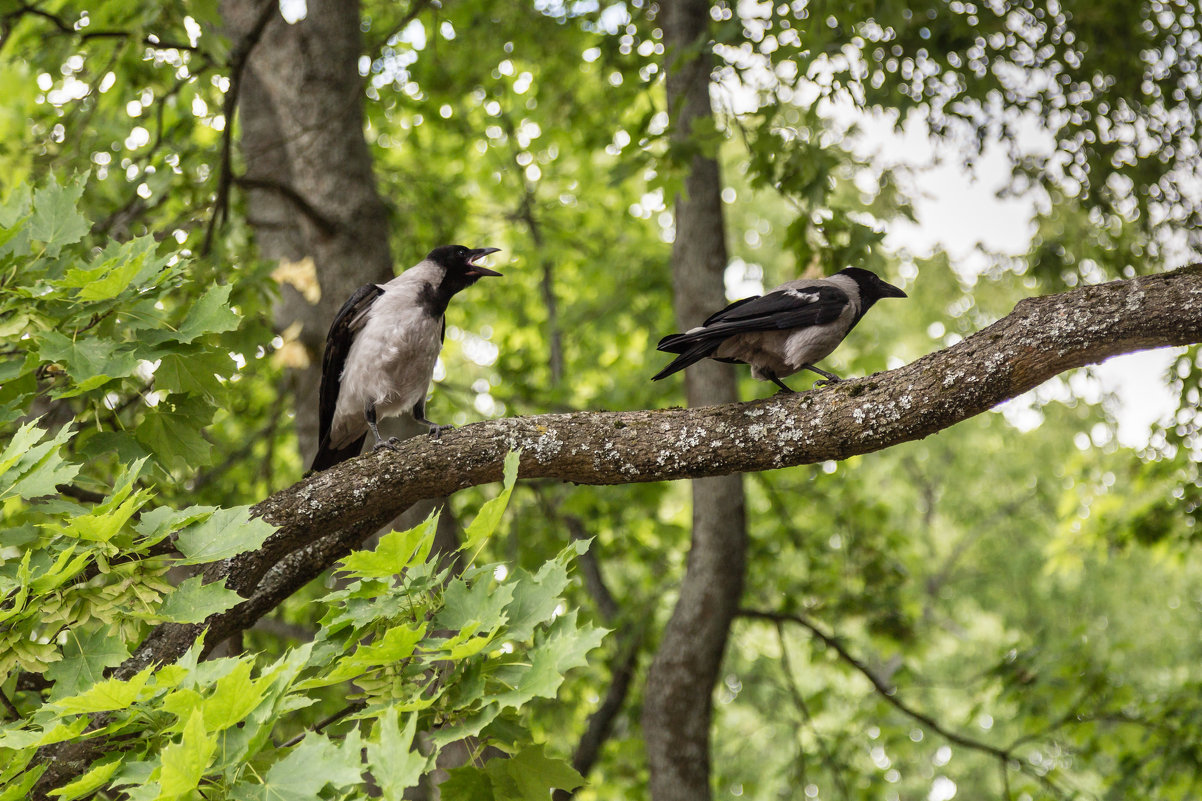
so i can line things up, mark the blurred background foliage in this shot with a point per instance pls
(1024, 580)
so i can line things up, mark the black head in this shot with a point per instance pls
(459, 263)
(872, 288)
(458, 259)
(459, 271)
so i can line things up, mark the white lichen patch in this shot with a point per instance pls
(1135, 298)
(547, 446)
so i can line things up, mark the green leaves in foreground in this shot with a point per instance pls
(90, 327)
(405, 646)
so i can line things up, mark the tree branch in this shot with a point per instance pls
(322, 517)
(1039, 339)
(1005, 756)
(238, 58)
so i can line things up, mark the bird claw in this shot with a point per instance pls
(822, 382)
(392, 444)
(436, 430)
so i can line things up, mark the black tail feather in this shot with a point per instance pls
(695, 353)
(675, 343)
(327, 457)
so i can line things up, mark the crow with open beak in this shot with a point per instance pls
(381, 349)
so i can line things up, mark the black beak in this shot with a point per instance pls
(477, 270)
(888, 290)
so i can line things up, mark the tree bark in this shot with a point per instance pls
(324, 516)
(310, 189)
(678, 698)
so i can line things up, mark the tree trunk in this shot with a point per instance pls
(310, 189)
(678, 700)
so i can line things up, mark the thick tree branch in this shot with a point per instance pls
(322, 517)
(1039, 339)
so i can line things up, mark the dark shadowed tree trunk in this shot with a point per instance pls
(679, 694)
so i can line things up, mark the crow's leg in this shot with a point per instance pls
(369, 411)
(831, 378)
(419, 414)
(771, 376)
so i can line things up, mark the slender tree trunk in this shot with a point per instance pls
(679, 695)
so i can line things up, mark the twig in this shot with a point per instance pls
(1004, 755)
(238, 60)
(886, 692)
(79, 493)
(337, 716)
(63, 26)
(323, 222)
(10, 706)
(804, 708)
(415, 10)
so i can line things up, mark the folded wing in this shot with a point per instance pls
(786, 308)
(347, 323)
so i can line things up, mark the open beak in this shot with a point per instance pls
(480, 253)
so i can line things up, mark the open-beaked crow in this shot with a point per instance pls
(381, 349)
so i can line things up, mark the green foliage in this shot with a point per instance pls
(460, 654)
(398, 648)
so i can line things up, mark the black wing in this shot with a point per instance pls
(779, 310)
(783, 309)
(346, 324)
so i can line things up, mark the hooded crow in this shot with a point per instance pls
(381, 350)
(789, 329)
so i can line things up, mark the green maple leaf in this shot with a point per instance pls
(563, 649)
(479, 604)
(184, 762)
(532, 774)
(171, 430)
(32, 466)
(395, 551)
(235, 696)
(56, 222)
(88, 358)
(192, 372)
(395, 765)
(97, 777)
(309, 767)
(85, 656)
(209, 315)
(106, 695)
(535, 598)
(192, 602)
(529, 775)
(489, 516)
(225, 533)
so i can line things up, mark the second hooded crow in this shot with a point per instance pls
(381, 349)
(791, 328)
